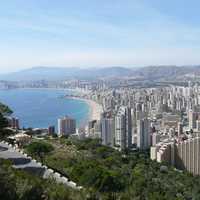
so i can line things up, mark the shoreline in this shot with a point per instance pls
(77, 90)
(95, 109)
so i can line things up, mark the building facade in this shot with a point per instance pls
(107, 131)
(143, 134)
(183, 155)
(66, 126)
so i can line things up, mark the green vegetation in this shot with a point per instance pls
(19, 185)
(4, 111)
(3, 122)
(105, 174)
(109, 174)
(39, 149)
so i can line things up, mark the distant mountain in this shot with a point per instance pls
(158, 73)
(61, 73)
(40, 73)
(167, 72)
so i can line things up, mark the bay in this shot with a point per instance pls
(40, 108)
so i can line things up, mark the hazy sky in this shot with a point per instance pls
(89, 33)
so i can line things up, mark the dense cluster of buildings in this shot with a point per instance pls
(123, 130)
(183, 154)
(165, 120)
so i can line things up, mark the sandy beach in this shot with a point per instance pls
(95, 110)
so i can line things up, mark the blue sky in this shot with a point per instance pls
(87, 33)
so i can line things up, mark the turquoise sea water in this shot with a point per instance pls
(39, 108)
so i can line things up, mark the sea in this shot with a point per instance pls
(40, 108)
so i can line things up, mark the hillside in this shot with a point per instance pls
(20, 185)
(111, 174)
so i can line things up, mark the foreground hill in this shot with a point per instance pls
(19, 185)
(112, 175)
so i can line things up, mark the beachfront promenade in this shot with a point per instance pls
(23, 161)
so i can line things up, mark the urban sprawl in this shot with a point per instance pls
(164, 119)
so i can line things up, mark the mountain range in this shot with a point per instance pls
(62, 73)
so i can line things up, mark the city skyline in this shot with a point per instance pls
(99, 99)
(92, 34)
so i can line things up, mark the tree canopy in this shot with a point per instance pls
(39, 149)
(5, 110)
(106, 174)
(110, 174)
(20, 185)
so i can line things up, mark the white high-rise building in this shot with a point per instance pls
(128, 119)
(120, 129)
(180, 128)
(184, 155)
(192, 119)
(155, 138)
(123, 128)
(66, 126)
(143, 134)
(198, 125)
(107, 131)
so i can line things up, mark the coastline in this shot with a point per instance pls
(95, 109)
(74, 90)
